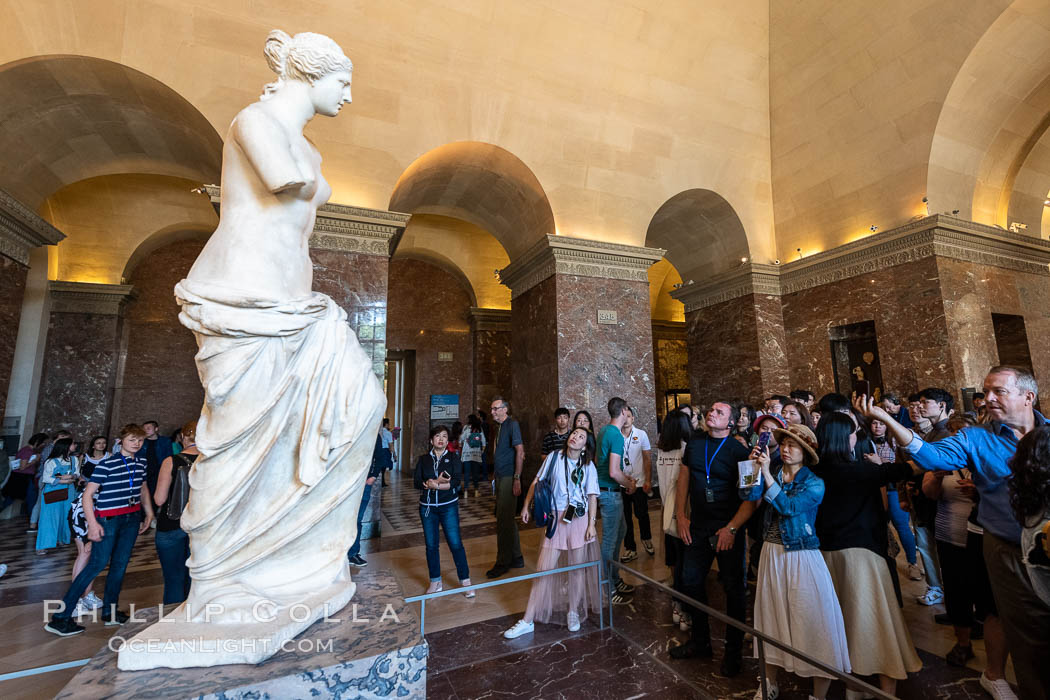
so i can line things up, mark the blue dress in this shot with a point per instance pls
(54, 524)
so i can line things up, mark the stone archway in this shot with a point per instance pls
(482, 184)
(994, 116)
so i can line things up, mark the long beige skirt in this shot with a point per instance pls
(878, 638)
(795, 603)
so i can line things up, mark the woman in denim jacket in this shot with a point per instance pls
(795, 599)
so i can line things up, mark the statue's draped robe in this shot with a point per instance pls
(292, 408)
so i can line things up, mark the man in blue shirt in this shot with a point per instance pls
(1010, 395)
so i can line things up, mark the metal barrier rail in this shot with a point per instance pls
(763, 639)
(422, 599)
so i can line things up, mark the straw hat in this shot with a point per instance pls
(804, 437)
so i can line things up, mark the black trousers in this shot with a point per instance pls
(967, 590)
(636, 506)
(697, 559)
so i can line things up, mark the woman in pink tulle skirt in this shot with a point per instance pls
(568, 596)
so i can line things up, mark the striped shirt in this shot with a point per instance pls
(119, 480)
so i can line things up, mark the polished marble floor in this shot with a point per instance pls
(469, 658)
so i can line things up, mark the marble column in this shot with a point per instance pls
(20, 231)
(735, 336)
(581, 332)
(82, 357)
(491, 338)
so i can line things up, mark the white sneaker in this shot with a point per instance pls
(80, 609)
(676, 614)
(435, 587)
(686, 623)
(574, 622)
(520, 627)
(3, 569)
(772, 692)
(931, 597)
(92, 600)
(1000, 689)
(914, 572)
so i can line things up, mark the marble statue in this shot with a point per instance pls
(292, 406)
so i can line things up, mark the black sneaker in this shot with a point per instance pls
(731, 666)
(624, 588)
(959, 655)
(118, 618)
(497, 571)
(358, 560)
(519, 563)
(63, 627)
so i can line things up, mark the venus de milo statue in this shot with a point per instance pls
(291, 406)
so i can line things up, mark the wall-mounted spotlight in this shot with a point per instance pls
(677, 285)
(873, 228)
(1018, 226)
(777, 261)
(743, 259)
(955, 212)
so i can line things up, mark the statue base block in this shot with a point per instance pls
(369, 649)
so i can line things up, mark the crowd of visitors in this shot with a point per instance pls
(810, 500)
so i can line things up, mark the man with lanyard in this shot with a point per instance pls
(113, 525)
(555, 439)
(155, 449)
(986, 450)
(508, 458)
(608, 461)
(637, 464)
(713, 529)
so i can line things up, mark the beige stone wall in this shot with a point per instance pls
(112, 220)
(614, 107)
(857, 91)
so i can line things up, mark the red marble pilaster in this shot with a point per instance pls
(12, 291)
(492, 341)
(81, 356)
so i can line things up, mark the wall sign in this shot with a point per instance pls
(444, 357)
(606, 317)
(444, 407)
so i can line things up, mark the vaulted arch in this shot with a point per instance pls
(701, 232)
(482, 184)
(70, 118)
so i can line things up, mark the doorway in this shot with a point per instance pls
(400, 386)
(855, 357)
(1011, 341)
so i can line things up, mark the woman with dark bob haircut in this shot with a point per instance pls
(852, 527)
(1030, 498)
(439, 477)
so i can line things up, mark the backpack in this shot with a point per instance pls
(474, 439)
(179, 493)
(543, 510)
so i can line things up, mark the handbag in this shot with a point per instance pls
(543, 512)
(56, 495)
(179, 494)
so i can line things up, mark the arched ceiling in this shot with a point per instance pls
(701, 232)
(69, 118)
(1031, 187)
(112, 221)
(482, 184)
(995, 113)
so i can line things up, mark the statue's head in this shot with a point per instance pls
(313, 59)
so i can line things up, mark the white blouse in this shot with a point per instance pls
(588, 487)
